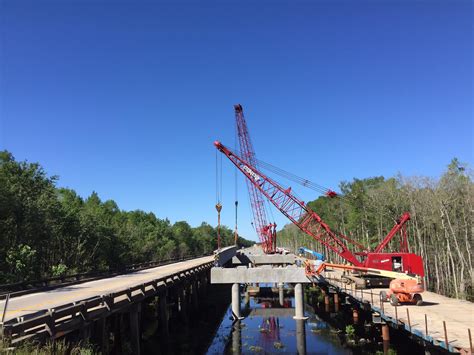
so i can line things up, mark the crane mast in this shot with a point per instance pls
(266, 231)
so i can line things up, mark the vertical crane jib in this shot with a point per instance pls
(264, 229)
(295, 210)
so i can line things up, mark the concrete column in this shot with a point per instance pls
(236, 301)
(299, 302)
(281, 294)
(164, 316)
(236, 339)
(135, 328)
(300, 337)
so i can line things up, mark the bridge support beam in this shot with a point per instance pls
(236, 301)
(299, 302)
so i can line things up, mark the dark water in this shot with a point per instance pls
(270, 328)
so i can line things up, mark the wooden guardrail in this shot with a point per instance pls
(26, 287)
(59, 321)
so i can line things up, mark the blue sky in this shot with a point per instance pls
(127, 97)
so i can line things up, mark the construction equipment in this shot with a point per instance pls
(312, 224)
(265, 231)
(404, 288)
(316, 255)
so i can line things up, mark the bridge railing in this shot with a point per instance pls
(30, 286)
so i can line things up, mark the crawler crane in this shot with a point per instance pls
(312, 224)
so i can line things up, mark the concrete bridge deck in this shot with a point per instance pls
(27, 304)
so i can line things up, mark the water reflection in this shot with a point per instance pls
(269, 327)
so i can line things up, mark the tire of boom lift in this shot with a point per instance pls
(394, 300)
(417, 299)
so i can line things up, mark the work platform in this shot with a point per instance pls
(442, 321)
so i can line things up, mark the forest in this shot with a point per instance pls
(49, 231)
(440, 229)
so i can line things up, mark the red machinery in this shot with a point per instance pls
(266, 231)
(312, 224)
(403, 288)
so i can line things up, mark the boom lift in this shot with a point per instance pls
(316, 255)
(311, 223)
(404, 288)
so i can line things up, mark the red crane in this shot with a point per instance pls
(311, 223)
(266, 231)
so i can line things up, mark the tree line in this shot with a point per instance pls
(50, 231)
(440, 229)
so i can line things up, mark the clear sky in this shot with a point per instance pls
(127, 97)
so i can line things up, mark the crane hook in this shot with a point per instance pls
(218, 209)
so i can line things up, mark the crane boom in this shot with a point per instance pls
(399, 226)
(266, 231)
(294, 209)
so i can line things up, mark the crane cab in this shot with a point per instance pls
(399, 262)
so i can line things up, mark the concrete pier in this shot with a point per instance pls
(301, 336)
(236, 301)
(281, 294)
(236, 338)
(299, 302)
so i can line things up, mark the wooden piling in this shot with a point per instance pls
(385, 332)
(408, 316)
(135, 334)
(445, 335)
(470, 340)
(426, 325)
(355, 316)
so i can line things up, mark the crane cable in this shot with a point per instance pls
(236, 232)
(218, 198)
